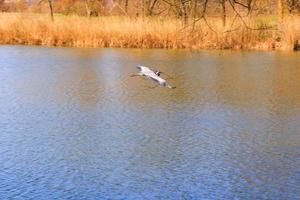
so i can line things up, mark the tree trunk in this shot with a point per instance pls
(151, 7)
(126, 6)
(280, 11)
(1, 5)
(51, 9)
(249, 2)
(223, 3)
(87, 7)
(184, 11)
(144, 7)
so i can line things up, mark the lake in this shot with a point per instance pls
(75, 125)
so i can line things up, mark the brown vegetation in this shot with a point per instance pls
(194, 24)
(37, 29)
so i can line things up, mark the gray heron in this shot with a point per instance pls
(152, 75)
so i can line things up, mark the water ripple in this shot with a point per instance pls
(74, 125)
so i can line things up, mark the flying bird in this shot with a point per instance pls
(152, 75)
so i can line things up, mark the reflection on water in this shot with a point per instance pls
(75, 125)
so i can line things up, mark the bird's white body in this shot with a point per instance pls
(145, 71)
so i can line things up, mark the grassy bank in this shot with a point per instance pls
(76, 31)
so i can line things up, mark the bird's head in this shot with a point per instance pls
(158, 73)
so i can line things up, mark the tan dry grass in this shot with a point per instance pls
(76, 31)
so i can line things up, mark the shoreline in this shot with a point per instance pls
(167, 49)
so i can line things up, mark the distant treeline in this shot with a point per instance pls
(185, 9)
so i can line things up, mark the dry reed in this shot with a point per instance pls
(76, 31)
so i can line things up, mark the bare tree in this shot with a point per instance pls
(280, 8)
(2, 2)
(223, 4)
(183, 10)
(293, 5)
(151, 5)
(87, 7)
(126, 6)
(50, 8)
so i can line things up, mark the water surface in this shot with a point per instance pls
(74, 125)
